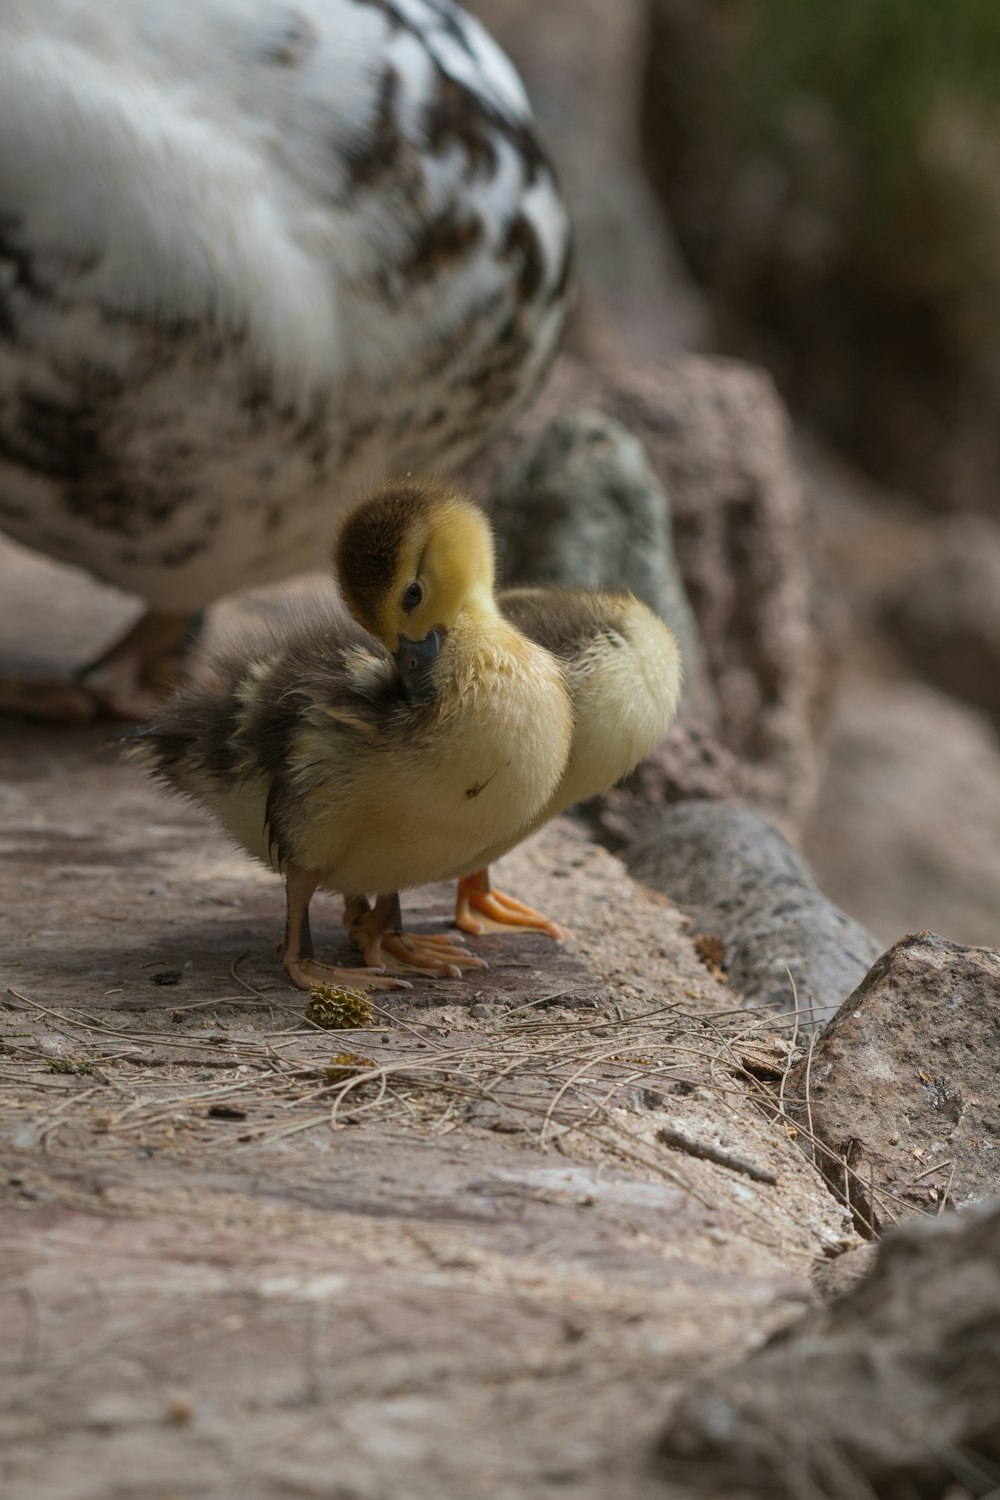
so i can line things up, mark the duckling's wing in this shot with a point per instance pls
(291, 710)
(568, 622)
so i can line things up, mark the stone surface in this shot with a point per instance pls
(947, 613)
(580, 507)
(734, 875)
(902, 1085)
(832, 1278)
(893, 1391)
(221, 1275)
(906, 831)
(716, 436)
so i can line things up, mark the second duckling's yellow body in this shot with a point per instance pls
(623, 669)
(360, 767)
(622, 666)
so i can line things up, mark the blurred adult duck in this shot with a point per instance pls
(254, 255)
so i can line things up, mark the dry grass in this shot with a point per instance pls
(550, 1076)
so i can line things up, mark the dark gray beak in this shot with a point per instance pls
(416, 661)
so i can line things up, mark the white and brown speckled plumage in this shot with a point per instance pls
(253, 254)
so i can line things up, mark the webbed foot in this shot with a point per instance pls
(475, 893)
(129, 681)
(378, 933)
(307, 973)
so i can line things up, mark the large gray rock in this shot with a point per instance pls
(735, 875)
(900, 1092)
(892, 1391)
(580, 507)
(716, 436)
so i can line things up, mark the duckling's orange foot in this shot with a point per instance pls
(476, 894)
(378, 933)
(429, 952)
(307, 973)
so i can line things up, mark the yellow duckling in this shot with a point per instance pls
(623, 669)
(368, 762)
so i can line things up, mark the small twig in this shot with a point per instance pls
(809, 1112)
(936, 1167)
(947, 1192)
(678, 1141)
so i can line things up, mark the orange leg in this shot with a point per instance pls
(475, 893)
(129, 681)
(300, 965)
(379, 934)
(150, 662)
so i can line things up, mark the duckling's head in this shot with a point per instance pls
(410, 559)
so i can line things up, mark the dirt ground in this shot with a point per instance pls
(471, 1248)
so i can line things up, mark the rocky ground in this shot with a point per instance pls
(600, 1221)
(474, 1242)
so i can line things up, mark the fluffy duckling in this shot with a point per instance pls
(623, 669)
(371, 756)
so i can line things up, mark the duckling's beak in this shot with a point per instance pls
(415, 660)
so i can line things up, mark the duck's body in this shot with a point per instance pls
(251, 257)
(317, 755)
(623, 670)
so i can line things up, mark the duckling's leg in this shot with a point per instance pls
(300, 965)
(475, 892)
(379, 934)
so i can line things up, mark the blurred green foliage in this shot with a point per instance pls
(832, 169)
(886, 115)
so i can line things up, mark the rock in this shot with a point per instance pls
(581, 61)
(907, 826)
(716, 436)
(688, 763)
(580, 507)
(734, 874)
(832, 1278)
(947, 614)
(902, 1085)
(893, 1391)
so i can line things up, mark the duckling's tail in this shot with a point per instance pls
(155, 746)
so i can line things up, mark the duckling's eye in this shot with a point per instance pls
(412, 595)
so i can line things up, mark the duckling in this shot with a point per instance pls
(368, 755)
(624, 672)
